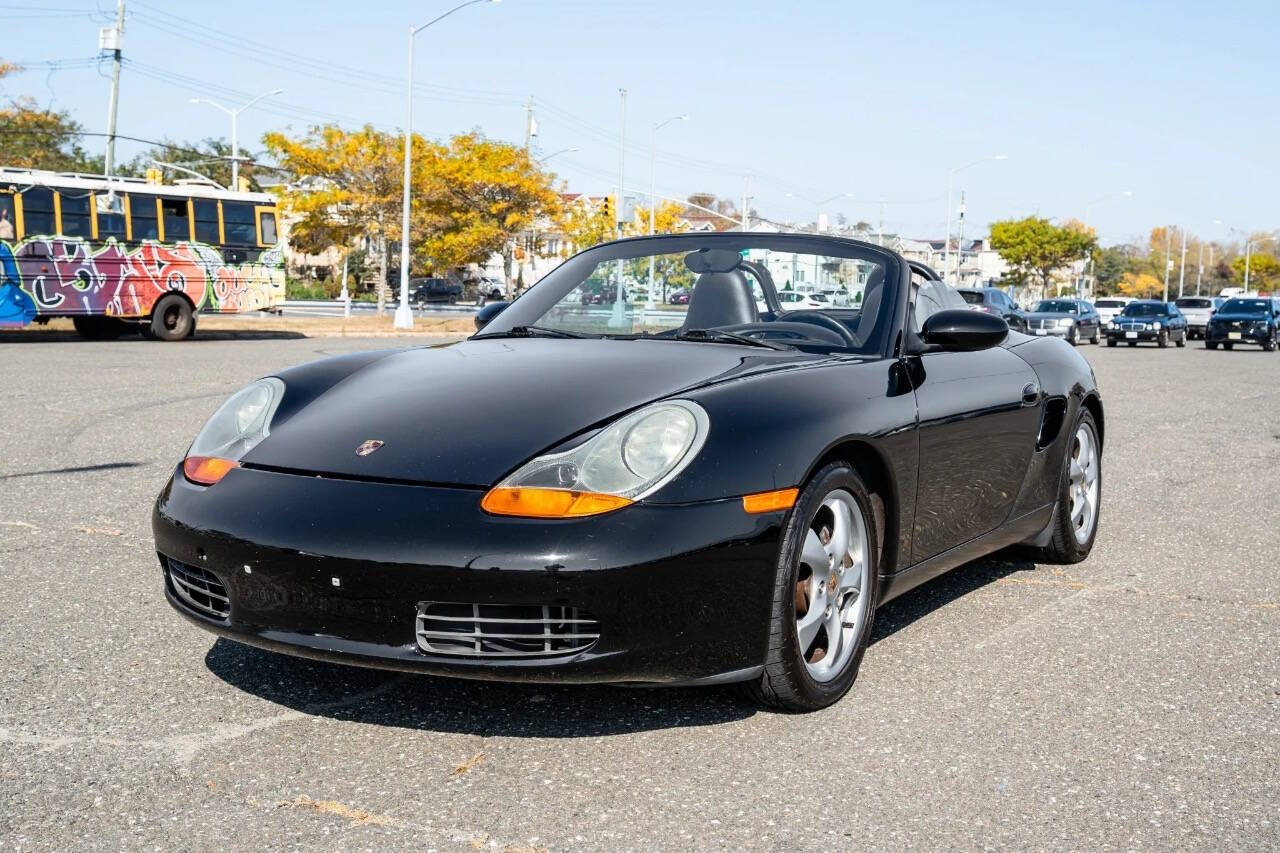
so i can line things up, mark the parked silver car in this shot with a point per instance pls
(1109, 306)
(1197, 310)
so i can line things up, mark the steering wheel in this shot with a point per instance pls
(813, 333)
(816, 318)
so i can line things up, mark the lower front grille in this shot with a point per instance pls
(504, 630)
(198, 589)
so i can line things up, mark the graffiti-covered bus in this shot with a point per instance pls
(126, 255)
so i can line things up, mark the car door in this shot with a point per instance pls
(978, 415)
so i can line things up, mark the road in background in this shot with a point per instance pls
(1132, 701)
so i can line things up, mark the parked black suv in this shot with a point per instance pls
(1148, 320)
(423, 290)
(1252, 320)
(993, 300)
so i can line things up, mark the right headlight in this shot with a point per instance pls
(235, 429)
(626, 461)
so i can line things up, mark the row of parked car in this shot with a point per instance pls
(1121, 319)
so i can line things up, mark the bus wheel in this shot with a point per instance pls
(99, 328)
(171, 319)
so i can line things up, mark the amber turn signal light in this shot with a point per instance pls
(549, 503)
(770, 501)
(207, 470)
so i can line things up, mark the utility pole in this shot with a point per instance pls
(1182, 270)
(619, 311)
(1210, 256)
(746, 204)
(112, 39)
(959, 253)
(1168, 258)
(880, 225)
(530, 125)
(1200, 268)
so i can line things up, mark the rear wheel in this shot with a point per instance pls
(172, 318)
(1094, 339)
(825, 595)
(1074, 337)
(1075, 517)
(100, 328)
(1182, 340)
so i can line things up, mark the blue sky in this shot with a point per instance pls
(1175, 102)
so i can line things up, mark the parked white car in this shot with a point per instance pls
(1109, 306)
(1198, 310)
(792, 301)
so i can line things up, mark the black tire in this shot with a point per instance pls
(1132, 343)
(1269, 345)
(786, 683)
(1063, 546)
(172, 318)
(100, 328)
(1162, 339)
(1094, 339)
(1112, 342)
(1074, 337)
(1228, 346)
(1181, 341)
(1210, 345)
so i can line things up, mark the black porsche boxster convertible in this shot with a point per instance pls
(627, 492)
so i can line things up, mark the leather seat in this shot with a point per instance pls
(721, 299)
(872, 294)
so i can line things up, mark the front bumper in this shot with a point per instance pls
(1123, 335)
(1053, 331)
(1218, 335)
(335, 569)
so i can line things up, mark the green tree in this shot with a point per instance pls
(1110, 265)
(36, 138)
(586, 224)
(1036, 248)
(1264, 271)
(210, 157)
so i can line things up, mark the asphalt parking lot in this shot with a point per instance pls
(1129, 702)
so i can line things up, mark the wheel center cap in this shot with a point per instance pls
(832, 583)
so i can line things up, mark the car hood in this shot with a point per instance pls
(1237, 317)
(469, 413)
(1051, 315)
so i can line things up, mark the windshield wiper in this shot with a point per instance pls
(721, 336)
(532, 332)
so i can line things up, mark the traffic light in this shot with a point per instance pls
(608, 207)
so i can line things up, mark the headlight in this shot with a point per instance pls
(1156, 325)
(1112, 325)
(1065, 323)
(235, 429)
(623, 463)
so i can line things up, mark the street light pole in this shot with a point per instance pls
(1168, 260)
(404, 314)
(653, 189)
(541, 160)
(235, 138)
(946, 243)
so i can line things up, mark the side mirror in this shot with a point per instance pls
(488, 312)
(958, 330)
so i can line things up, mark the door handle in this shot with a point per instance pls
(1030, 394)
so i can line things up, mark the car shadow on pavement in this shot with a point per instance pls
(483, 708)
(941, 591)
(32, 336)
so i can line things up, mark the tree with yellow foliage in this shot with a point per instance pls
(1139, 285)
(586, 223)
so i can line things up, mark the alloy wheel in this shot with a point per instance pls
(1083, 489)
(831, 609)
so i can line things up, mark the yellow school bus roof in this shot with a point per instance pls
(20, 179)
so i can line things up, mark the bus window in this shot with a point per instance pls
(142, 217)
(267, 227)
(207, 221)
(238, 225)
(77, 220)
(8, 217)
(177, 219)
(111, 221)
(37, 212)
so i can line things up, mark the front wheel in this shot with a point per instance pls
(1228, 346)
(1269, 344)
(1112, 342)
(1094, 339)
(1162, 340)
(1074, 337)
(1210, 345)
(1075, 517)
(825, 596)
(1182, 340)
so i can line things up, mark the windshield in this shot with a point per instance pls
(973, 297)
(1244, 306)
(1109, 303)
(638, 288)
(1145, 309)
(1058, 306)
(1193, 303)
